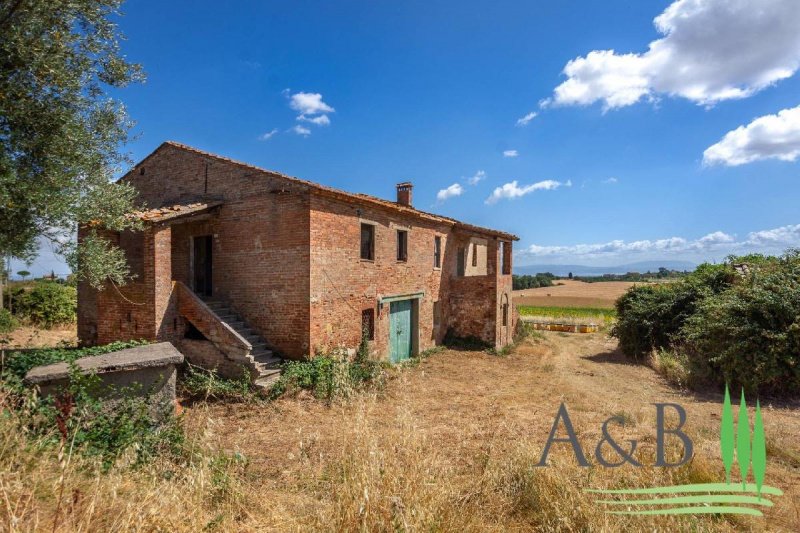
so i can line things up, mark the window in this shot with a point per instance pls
(506, 257)
(368, 242)
(368, 324)
(462, 262)
(402, 245)
(474, 254)
(437, 252)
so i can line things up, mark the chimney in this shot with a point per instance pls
(404, 193)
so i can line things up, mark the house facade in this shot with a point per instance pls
(248, 264)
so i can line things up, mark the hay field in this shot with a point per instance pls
(574, 293)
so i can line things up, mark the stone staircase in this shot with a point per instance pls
(265, 364)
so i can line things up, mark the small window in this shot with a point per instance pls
(437, 252)
(368, 324)
(402, 245)
(474, 254)
(368, 242)
(462, 262)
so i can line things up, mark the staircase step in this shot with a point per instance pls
(266, 382)
(273, 363)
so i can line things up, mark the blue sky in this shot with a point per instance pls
(610, 170)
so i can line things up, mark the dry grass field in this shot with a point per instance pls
(574, 293)
(448, 445)
(33, 337)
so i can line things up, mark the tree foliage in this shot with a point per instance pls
(60, 132)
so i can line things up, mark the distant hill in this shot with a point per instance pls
(582, 270)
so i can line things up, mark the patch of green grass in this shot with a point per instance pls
(567, 312)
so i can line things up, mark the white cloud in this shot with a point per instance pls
(711, 50)
(319, 120)
(767, 137)
(510, 153)
(269, 135)
(611, 181)
(527, 118)
(454, 190)
(478, 177)
(300, 130)
(513, 190)
(309, 104)
(716, 244)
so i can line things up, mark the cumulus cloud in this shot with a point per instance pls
(512, 190)
(454, 190)
(716, 244)
(309, 104)
(527, 118)
(711, 50)
(510, 153)
(477, 178)
(767, 137)
(268, 135)
(311, 108)
(319, 120)
(300, 130)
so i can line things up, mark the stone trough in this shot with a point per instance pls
(144, 371)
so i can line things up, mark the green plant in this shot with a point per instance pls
(7, 321)
(48, 304)
(199, 383)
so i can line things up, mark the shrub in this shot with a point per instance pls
(7, 321)
(48, 304)
(329, 376)
(749, 335)
(649, 317)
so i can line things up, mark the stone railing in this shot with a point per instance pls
(224, 337)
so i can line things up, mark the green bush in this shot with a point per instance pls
(47, 304)
(722, 326)
(650, 317)
(329, 376)
(749, 335)
(7, 321)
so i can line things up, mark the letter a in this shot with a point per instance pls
(571, 438)
(688, 450)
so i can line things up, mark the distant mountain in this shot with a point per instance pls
(582, 270)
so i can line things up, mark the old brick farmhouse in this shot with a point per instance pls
(237, 265)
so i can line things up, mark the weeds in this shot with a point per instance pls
(201, 384)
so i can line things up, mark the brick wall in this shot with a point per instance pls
(288, 261)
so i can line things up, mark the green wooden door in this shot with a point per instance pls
(400, 330)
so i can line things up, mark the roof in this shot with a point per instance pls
(162, 214)
(338, 193)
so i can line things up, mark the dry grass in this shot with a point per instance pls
(33, 337)
(574, 293)
(449, 445)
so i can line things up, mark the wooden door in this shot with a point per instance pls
(202, 269)
(400, 330)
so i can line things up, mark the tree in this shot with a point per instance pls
(570, 275)
(60, 132)
(23, 274)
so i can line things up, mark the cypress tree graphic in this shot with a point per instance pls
(727, 435)
(759, 450)
(743, 441)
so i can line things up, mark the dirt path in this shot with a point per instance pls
(470, 406)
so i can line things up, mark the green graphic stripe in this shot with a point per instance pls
(705, 498)
(721, 509)
(698, 487)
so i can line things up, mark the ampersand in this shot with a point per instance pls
(627, 457)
